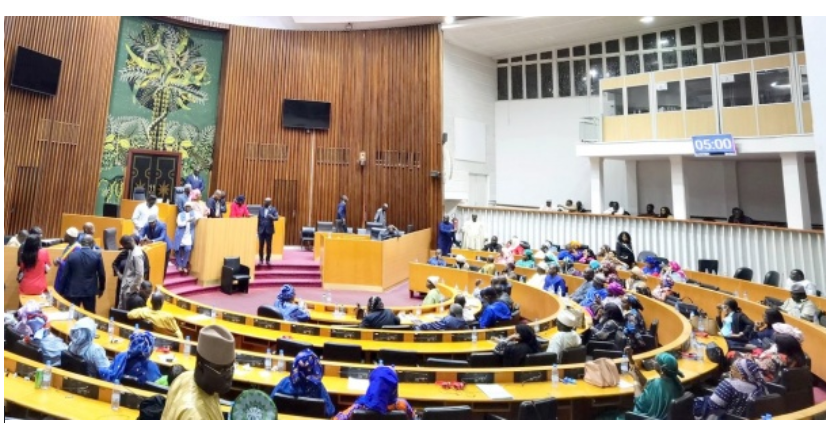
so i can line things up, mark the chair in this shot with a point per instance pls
(10, 337)
(309, 407)
(122, 316)
(708, 266)
(460, 412)
(538, 410)
(409, 228)
(612, 354)
(773, 404)
(516, 317)
(110, 239)
(644, 255)
(27, 351)
(682, 408)
(398, 358)
(576, 355)
(75, 364)
(798, 383)
(375, 234)
(772, 278)
(650, 342)
(324, 226)
(600, 345)
(540, 359)
(474, 268)
(396, 327)
(654, 329)
(132, 382)
(486, 360)
(744, 273)
(139, 194)
(307, 238)
(775, 388)
(291, 347)
(235, 277)
(373, 225)
(446, 364)
(372, 415)
(269, 312)
(362, 231)
(342, 352)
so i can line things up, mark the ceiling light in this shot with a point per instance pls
(647, 19)
(450, 19)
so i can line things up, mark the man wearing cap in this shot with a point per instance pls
(155, 231)
(196, 394)
(799, 305)
(267, 216)
(461, 263)
(565, 337)
(433, 295)
(140, 217)
(84, 275)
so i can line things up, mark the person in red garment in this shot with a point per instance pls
(33, 261)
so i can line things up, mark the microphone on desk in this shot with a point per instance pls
(534, 378)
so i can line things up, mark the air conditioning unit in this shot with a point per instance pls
(590, 129)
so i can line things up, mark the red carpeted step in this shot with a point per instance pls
(313, 283)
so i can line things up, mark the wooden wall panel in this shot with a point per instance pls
(385, 90)
(61, 136)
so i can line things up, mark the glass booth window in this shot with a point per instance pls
(547, 79)
(688, 36)
(596, 75)
(516, 83)
(612, 66)
(669, 59)
(638, 100)
(531, 82)
(612, 104)
(804, 83)
(773, 86)
(734, 52)
(668, 97)
(632, 64)
(689, 57)
(563, 72)
(711, 55)
(736, 90)
(502, 83)
(580, 78)
(651, 62)
(698, 94)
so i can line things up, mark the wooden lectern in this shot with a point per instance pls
(217, 239)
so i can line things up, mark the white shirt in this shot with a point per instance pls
(562, 341)
(810, 288)
(537, 281)
(141, 215)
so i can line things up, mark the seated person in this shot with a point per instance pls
(596, 293)
(734, 394)
(162, 321)
(477, 290)
(493, 310)
(611, 326)
(489, 268)
(134, 362)
(656, 394)
(565, 338)
(615, 294)
(467, 313)
(579, 295)
(796, 277)
(527, 260)
(571, 251)
(652, 267)
(493, 246)
(737, 216)
(649, 211)
(437, 260)
(453, 321)
(503, 293)
(676, 272)
(787, 354)
(510, 272)
(461, 262)
(433, 295)
(637, 280)
(734, 325)
(800, 305)
(634, 322)
(538, 279)
(515, 348)
(568, 207)
(763, 336)
(17, 241)
(382, 396)
(567, 268)
(663, 290)
(305, 381)
(286, 305)
(554, 282)
(377, 316)
(82, 344)
(174, 372)
(390, 232)
(139, 299)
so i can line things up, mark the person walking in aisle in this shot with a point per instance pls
(267, 216)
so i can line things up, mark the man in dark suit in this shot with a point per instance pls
(267, 217)
(341, 214)
(155, 231)
(85, 276)
(216, 204)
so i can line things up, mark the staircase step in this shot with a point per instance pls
(281, 272)
(176, 280)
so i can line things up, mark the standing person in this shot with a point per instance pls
(195, 181)
(216, 205)
(182, 196)
(88, 230)
(133, 269)
(624, 250)
(196, 395)
(341, 214)
(185, 238)
(70, 239)
(198, 203)
(446, 231)
(239, 207)
(267, 216)
(85, 275)
(381, 215)
(473, 234)
(33, 261)
(155, 231)
(142, 212)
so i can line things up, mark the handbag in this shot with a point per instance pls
(602, 373)
(715, 354)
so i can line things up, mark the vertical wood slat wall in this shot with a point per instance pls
(384, 86)
(385, 90)
(57, 141)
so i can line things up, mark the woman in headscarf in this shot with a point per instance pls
(305, 381)
(516, 347)
(33, 262)
(595, 295)
(594, 265)
(615, 293)
(377, 316)
(569, 269)
(734, 394)
(624, 250)
(198, 204)
(135, 361)
(516, 247)
(657, 394)
(676, 272)
(82, 344)
(382, 396)
(663, 290)
(239, 207)
(763, 336)
(652, 266)
(30, 319)
(787, 354)
(527, 260)
(185, 237)
(286, 305)
(611, 326)
(634, 321)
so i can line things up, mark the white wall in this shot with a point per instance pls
(814, 31)
(469, 88)
(654, 184)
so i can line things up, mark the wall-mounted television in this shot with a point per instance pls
(305, 114)
(35, 72)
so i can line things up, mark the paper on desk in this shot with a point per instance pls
(357, 384)
(495, 391)
(197, 318)
(58, 316)
(624, 384)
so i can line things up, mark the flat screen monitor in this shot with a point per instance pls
(306, 114)
(35, 72)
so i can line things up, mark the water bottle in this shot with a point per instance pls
(111, 329)
(72, 312)
(329, 296)
(381, 362)
(116, 396)
(186, 348)
(736, 294)
(766, 416)
(555, 374)
(701, 351)
(47, 376)
(536, 325)
(701, 324)
(301, 304)
(268, 360)
(624, 363)
(280, 360)
(212, 313)
(474, 337)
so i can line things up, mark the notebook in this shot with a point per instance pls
(495, 391)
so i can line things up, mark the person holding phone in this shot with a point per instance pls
(734, 325)
(653, 397)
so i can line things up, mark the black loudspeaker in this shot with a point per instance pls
(111, 210)
(444, 138)
(435, 174)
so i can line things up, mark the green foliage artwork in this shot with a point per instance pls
(164, 97)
